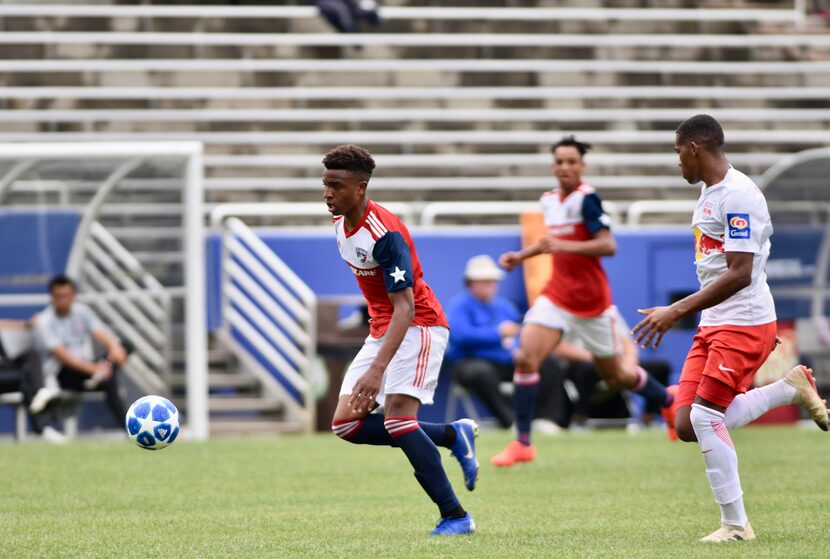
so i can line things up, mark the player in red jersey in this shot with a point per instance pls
(737, 332)
(398, 365)
(577, 297)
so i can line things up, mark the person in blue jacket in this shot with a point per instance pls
(483, 328)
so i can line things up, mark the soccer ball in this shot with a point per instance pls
(152, 422)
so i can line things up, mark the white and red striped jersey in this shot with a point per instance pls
(578, 283)
(381, 254)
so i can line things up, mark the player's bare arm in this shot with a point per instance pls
(510, 260)
(659, 320)
(603, 244)
(367, 387)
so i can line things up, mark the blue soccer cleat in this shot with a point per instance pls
(464, 450)
(454, 526)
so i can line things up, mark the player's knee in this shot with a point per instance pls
(684, 428)
(345, 428)
(524, 361)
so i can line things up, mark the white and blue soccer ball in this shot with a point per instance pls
(152, 422)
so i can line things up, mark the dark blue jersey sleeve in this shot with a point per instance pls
(593, 214)
(392, 253)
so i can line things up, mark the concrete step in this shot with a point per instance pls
(217, 358)
(252, 426)
(242, 404)
(218, 380)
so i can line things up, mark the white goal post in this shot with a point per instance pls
(18, 161)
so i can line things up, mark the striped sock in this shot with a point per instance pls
(426, 461)
(371, 430)
(525, 390)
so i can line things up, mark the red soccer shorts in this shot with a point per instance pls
(723, 361)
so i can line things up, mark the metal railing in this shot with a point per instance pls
(429, 40)
(221, 212)
(489, 65)
(472, 13)
(113, 283)
(267, 308)
(697, 93)
(432, 137)
(131, 302)
(407, 114)
(680, 211)
(434, 210)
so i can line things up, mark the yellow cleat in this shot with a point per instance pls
(806, 395)
(728, 533)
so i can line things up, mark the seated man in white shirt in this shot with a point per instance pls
(64, 335)
(20, 370)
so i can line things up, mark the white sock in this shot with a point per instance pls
(721, 463)
(733, 514)
(755, 403)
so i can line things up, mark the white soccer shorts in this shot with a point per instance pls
(598, 333)
(414, 368)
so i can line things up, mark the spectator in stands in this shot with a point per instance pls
(483, 330)
(483, 327)
(20, 371)
(347, 15)
(64, 335)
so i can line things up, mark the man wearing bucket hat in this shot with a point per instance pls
(484, 327)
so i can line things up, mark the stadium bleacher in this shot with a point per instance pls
(457, 104)
(269, 88)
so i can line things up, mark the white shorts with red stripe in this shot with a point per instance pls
(414, 368)
(599, 334)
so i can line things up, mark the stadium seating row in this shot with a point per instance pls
(440, 93)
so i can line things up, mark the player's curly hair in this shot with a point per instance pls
(350, 158)
(571, 141)
(704, 130)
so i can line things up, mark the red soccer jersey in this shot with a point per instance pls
(381, 254)
(578, 283)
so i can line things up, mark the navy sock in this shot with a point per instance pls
(370, 430)
(651, 388)
(525, 390)
(441, 434)
(426, 461)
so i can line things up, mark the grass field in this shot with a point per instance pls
(603, 495)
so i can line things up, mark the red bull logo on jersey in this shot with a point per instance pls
(705, 245)
(738, 225)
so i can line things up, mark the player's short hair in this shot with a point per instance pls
(703, 130)
(350, 158)
(60, 279)
(581, 147)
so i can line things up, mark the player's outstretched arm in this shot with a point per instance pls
(510, 260)
(603, 244)
(659, 319)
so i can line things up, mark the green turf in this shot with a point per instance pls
(603, 495)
